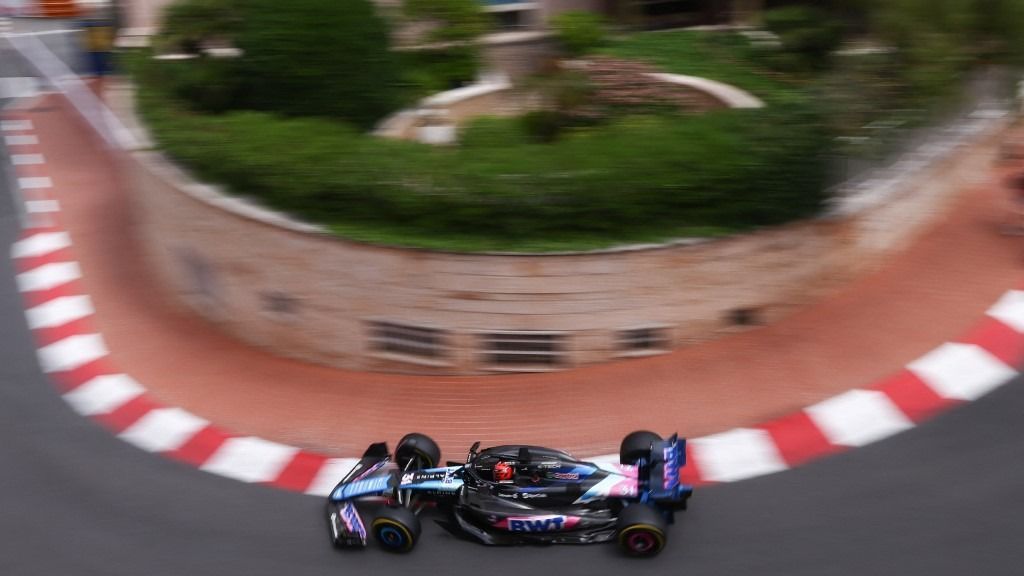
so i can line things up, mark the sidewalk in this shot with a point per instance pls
(933, 292)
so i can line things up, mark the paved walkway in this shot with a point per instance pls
(934, 291)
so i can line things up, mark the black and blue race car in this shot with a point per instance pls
(513, 495)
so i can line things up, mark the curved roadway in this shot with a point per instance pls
(943, 499)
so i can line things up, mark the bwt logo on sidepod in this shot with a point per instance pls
(539, 523)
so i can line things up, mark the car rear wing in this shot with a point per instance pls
(661, 473)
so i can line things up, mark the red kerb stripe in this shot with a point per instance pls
(200, 447)
(300, 472)
(799, 439)
(915, 398)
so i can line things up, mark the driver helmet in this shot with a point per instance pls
(503, 471)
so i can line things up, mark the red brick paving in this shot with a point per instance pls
(932, 292)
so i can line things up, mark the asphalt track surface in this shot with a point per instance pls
(945, 498)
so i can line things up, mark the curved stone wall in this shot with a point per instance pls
(300, 292)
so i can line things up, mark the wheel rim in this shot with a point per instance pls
(392, 537)
(641, 542)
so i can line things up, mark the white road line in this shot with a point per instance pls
(15, 125)
(20, 140)
(34, 182)
(329, 475)
(40, 244)
(163, 429)
(961, 371)
(858, 417)
(104, 394)
(59, 311)
(71, 352)
(736, 454)
(1010, 310)
(48, 276)
(27, 159)
(250, 459)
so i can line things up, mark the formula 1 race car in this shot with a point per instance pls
(512, 495)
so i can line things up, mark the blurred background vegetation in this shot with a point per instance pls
(286, 122)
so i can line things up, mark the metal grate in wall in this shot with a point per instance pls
(407, 339)
(524, 349)
(643, 339)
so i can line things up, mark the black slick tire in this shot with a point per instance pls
(396, 529)
(640, 531)
(419, 449)
(637, 445)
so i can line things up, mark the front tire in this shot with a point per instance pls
(641, 531)
(416, 451)
(396, 529)
(637, 445)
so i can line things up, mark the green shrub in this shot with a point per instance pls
(579, 32)
(635, 178)
(317, 58)
(432, 70)
(543, 125)
(206, 84)
(808, 36)
(187, 24)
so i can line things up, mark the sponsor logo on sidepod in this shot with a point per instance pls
(541, 523)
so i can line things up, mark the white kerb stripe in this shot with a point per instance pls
(961, 371)
(71, 352)
(103, 394)
(42, 206)
(40, 244)
(1010, 310)
(27, 159)
(20, 140)
(735, 455)
(329, 475)
(59, 311)
(163, 429)
(250, 459)
(15, 125)
(48, 276)
(605, 460)
(34, 182)
(858, 417)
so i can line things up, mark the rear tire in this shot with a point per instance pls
(641, 531)
(419, 449)
(396, 529)
(637, 445)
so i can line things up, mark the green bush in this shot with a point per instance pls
(206, 84)
(637, 178)
(431, 70)
(187, 24)
(317, 58)
(808, 36)
(543, 125)
(579, 32)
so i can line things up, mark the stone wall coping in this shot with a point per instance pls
(731, 96)
(450, 97)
